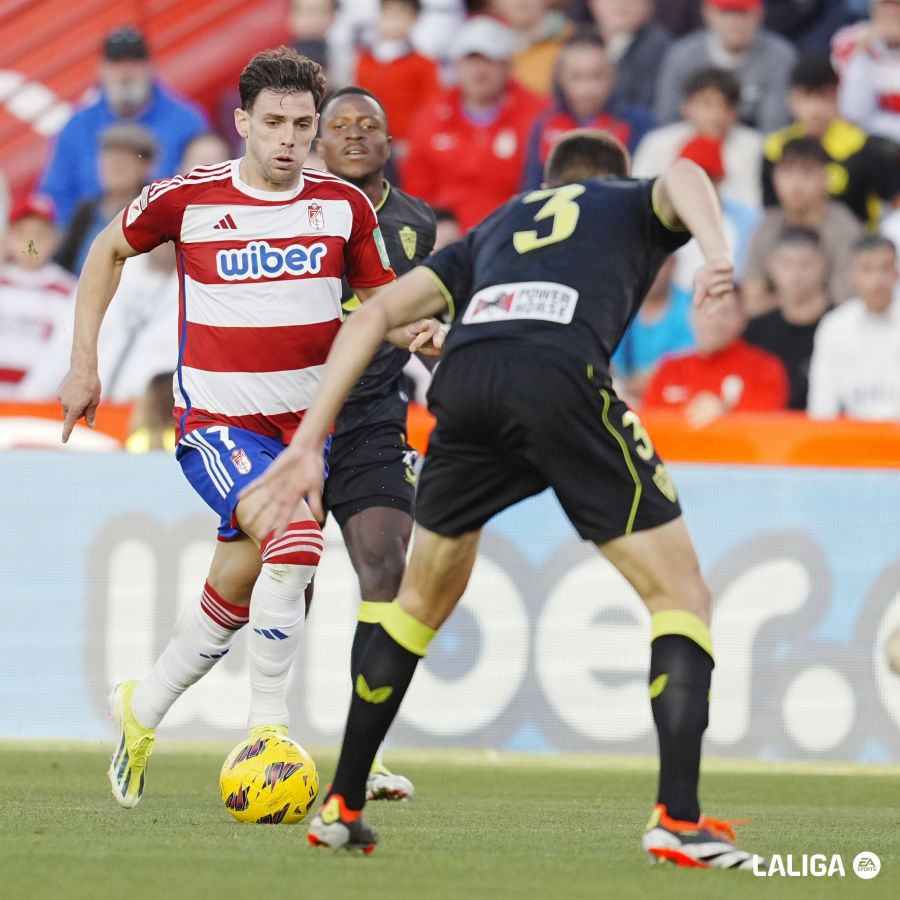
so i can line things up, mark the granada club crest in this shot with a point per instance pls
(316, 216)
(241, 461)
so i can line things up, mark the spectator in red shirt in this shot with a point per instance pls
(724, 374)
(467, 147)
(392, 70)
(585, 76)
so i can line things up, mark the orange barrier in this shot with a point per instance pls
(769, 439)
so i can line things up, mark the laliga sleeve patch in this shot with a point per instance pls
(382, 250)
(138, 205)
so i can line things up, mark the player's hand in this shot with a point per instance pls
(714, 281)
(427, 337)
(272, 499)
(79, 394)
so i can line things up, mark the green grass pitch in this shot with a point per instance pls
(483, 826)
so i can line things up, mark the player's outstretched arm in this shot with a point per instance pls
(79, 392)
(685, 196)
(297, 473)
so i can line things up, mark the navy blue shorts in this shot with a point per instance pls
(220, 461)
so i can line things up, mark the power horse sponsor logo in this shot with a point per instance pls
(543, 300)
(260, 260)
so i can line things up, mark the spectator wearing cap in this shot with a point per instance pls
(37, 303)
(800, 178)
(734, 40)
(636, 44)
(129, 92)
(709, 109)
(869, 55)
(862, 172)
(127, 155)
(539, 33)
(467, 146)
(584, 99)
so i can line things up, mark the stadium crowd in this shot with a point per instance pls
(791, 106)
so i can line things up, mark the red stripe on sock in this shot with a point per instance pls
(301, 544)
(228, 615)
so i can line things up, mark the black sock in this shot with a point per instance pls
(385, 672)
(680, 674)
(364, 631)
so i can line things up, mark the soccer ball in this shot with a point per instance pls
(269, 780)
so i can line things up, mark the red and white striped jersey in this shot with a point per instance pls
(36, 311)
(260, 288)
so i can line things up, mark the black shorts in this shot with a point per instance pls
(370, 466)
(511, 423)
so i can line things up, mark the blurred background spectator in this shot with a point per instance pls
(36, 305)
(800, 178)
(869, 56)
(798, 272)
(725, 374)
(855, 367)
(636, 44)
(152, 426)
(539, 34)
(862, 172)
(709, 109)
(584, 99)
(309, 22)
(128, 92)
(206, 149)
(467, 147)
(390, 68)
(808, 24)
(733, 40)
(447, 228)
(127, 155)
(661, 327)
(4, 203)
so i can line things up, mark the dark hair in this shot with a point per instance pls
(353, 90)
(585, 37)
(443, 214)
(814, 72)
(585, 153)
(869, 243)
(284, 71)
(799, 236)
(415, 4)
(804, 149)
(717, 79)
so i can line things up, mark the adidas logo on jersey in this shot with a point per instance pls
(259, 260)
(225, 224)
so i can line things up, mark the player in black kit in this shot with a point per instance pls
(540, 294)
(371, 482)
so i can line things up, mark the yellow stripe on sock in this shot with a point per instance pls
(406, 630)
(658, 685)
(680, 621)
(372, 611)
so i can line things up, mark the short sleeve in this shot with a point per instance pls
(154, 217)
(366, 262)
(453, 268)
(666, 235)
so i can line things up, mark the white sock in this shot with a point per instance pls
(277, 618)
(203, 635)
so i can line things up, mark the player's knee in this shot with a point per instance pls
(289, 560)
(379, 579)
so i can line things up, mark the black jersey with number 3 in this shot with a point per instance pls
(564, 268)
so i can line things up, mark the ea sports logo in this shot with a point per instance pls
(866, 865)
(259, 260)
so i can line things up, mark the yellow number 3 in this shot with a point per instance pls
(561, 207)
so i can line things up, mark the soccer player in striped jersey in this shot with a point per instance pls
(371, 481)
(262, 245)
